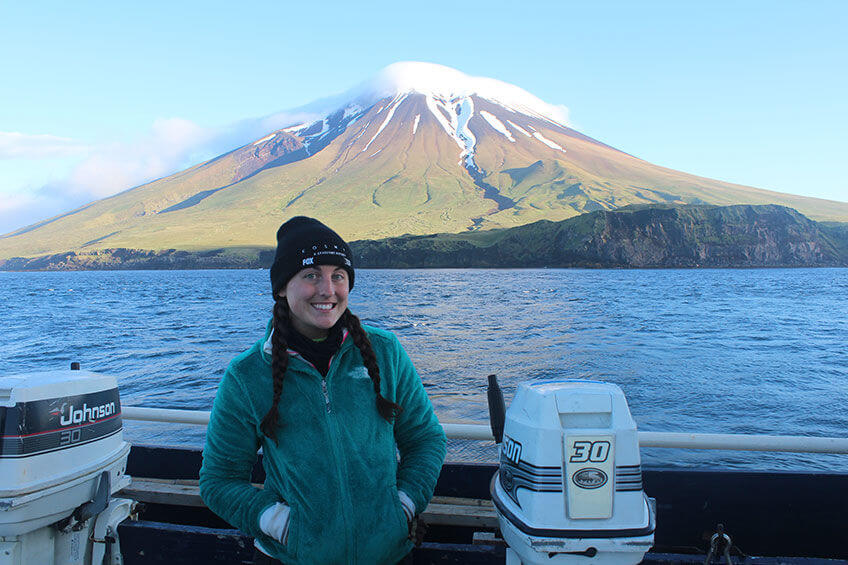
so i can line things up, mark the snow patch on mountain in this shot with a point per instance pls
(436, 107)
(362, 131)
(298, 127)
(352, 109)
(393, 105)
(415, 125)
(453, 116)
(547, 141)
(519, 128)
(497, 124)
(317, 134)
(313, 138)
(464, 111)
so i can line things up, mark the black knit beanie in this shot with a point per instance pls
(303, 242)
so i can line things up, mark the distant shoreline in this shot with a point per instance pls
(597, 268)
(697, 236)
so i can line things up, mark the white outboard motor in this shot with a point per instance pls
(569, 486)
(62, 456)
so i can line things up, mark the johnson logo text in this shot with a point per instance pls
(86, 413)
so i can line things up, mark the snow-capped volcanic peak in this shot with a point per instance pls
(447, 84)
(451, 98)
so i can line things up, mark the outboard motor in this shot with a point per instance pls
(62, 456)
(569, 486)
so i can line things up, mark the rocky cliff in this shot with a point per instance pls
(674, 236)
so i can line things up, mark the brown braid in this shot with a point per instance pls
(387, 408)
(279, 364)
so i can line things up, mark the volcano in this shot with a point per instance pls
(418, 149)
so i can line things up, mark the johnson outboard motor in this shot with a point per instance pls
(569, 486)
(62, 457)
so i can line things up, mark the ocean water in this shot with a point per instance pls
(703, 351)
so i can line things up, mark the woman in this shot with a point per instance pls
(331, 403)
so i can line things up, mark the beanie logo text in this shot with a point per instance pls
(324, 255)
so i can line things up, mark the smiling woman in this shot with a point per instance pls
(345, 400)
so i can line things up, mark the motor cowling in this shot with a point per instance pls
(62, 457)
(569, 484)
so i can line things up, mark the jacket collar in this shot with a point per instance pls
(267, 346)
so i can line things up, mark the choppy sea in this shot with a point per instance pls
(721, 351)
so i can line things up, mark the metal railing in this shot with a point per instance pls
(482, 431)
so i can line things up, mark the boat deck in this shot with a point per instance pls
(768, 515)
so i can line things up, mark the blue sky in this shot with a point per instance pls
(96, 97)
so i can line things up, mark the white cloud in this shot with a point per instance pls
(13, 203)
(448, 83)
(565, 114)
(171, 145)
(168, 146)
(19, 208)
(15, 145)
(98, 171)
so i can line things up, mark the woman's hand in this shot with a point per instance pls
(407, 505)
(414, 523)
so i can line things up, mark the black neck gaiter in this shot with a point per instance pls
(318, 353)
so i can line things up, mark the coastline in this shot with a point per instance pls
(697, 236)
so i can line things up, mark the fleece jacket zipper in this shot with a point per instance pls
(341, 461)
(335, 442)
(326, 395)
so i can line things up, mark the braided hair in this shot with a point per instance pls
(279, 363)
(280, 360)
(385, 407)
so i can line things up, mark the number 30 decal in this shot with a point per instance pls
(594, 451)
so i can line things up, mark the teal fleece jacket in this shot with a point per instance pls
(336, 461)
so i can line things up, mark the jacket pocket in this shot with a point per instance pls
(381, 529)
(400, 515)
(290, 546)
